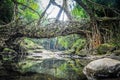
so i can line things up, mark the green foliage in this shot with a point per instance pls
(116, 41)
(64, 41)
(79, 44)
(67, 41)
(28, 44)
(73, 42)
(27, 13)
(78, 12)
(7, 10)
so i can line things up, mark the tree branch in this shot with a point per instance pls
(59, 14)
(64, 8)
(43, 13)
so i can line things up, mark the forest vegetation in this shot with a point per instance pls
(80, 27)
(96, 21)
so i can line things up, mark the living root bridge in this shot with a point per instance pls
(8, 33)
(56, 29)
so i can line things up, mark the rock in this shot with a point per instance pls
(104, 48)
(71, 51)
(105, 68)
(83, 53)
(39, 47)
(117, 52)
(115, 55)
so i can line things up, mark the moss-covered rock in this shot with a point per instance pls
(79, 45)
(8, 50)
(104, 48)
(83, 53)
(7, 54)
(70, 51)
(27, 43)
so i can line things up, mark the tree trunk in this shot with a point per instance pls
(96, 36)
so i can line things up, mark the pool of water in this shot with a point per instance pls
(43, 66)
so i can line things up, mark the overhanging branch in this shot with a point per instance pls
(43, 13)
(63, 8)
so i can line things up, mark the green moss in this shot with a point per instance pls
(104, 48)
(8, 50)
(28, 44)
(78, 45)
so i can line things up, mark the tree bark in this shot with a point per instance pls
(96, 37)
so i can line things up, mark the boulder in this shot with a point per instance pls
(105, 68)
(104, 48)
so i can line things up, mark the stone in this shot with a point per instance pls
(104, 48)
(115, 55)
(105, 68)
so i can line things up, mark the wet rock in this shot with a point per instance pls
(115, 55)
(105, 68)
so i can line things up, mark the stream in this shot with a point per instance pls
(44, 65)
(41, 64)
